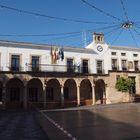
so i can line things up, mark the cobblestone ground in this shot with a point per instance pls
(20, 125)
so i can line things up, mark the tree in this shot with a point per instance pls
(124, 84)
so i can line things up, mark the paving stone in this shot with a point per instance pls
(20, 125)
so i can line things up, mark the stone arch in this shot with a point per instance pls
(35, 90)
(99, 91)
(14, 93)
(70, 90)
(85, 90)
(53, 90)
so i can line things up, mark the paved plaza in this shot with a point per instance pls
(106, 122)
(99, 122)
(20, 125)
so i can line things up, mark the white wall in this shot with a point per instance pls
(45, 57)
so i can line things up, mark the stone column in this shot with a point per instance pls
(62, 95)
(78, 95)
(25, 100)
(93, 95)
(44, 95)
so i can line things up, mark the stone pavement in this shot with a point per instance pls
(20, 125)
(106, 122)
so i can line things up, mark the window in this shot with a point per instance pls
(85, 66)
(70, 67)
(123, 54)
(98, 38)
(124, 65)
(33, 94)
(113, 53)
(35, 63)
(15, 62)
(135, 55)
(114, 64)
(99, 66)
(136, 65)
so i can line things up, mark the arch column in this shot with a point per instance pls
(62, 95)
(78, 95)
(93, 95)
(44, 93)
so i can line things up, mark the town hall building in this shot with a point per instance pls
(51, 76)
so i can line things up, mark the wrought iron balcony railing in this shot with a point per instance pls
(56, 68)
(16, 68)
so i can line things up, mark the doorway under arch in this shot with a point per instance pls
(53, 93)
(100, 91)
(70, 93)
(85, 92)
(14, 93)
(35, 92)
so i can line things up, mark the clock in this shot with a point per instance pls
(99, 48)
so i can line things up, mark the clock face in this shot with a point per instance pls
(99, 48)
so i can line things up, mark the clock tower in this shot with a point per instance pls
(98, 44)
(98, 38)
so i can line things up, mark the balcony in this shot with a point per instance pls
(136, 69)
(114, 68)
(16, 69)
(124, 68)
(56, 68)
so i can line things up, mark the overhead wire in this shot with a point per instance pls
(130, 31)
(37, 35)
(136, 32)
(55, 34)
(137, 26)
(50, 17)
(114, 29)
(100, 10)
(58, 38)
(124, 9)
(117, 36)
(133, 37)
(108, 34)
(78, 33)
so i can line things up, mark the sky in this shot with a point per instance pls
(70, 22)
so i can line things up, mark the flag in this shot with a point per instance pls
(51, 51)
(54, 56)
(62, 54)
(58, 54)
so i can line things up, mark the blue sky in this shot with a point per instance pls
(18, 23)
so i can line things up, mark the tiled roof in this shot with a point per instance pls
(43, 46)
(125, 48)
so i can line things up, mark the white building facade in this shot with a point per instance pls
(60, 76)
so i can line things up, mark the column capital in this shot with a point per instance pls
(93, 84)
(61, 85)
(45, 81)
(62, 81)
